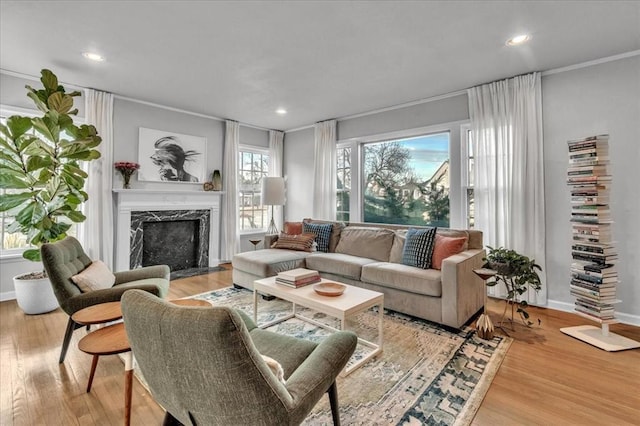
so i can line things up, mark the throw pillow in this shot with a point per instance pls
(292, 228)
(322, 232)
(275, 368)
(445, 247)
(302, 242)
(418, 247)
(96, 276)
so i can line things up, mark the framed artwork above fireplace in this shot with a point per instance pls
(171, 157)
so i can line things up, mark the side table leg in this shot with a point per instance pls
(94, 364)
(128, 384)
(255, 306)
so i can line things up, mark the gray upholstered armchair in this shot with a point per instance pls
(204, 365)
(64, 259)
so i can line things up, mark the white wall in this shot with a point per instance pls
(298, 172)
(598, 99)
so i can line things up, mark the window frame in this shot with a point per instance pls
(345, 146)
(254, 150)
(467, 184)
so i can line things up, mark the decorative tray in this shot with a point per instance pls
(329, 288)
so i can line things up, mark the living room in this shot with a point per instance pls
(589, 86)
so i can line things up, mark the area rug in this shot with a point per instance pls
(427, 374)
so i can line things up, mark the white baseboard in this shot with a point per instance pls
(8, 295)
(568, 307)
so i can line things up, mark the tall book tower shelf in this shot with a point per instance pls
(593, 270)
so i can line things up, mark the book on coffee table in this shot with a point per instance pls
(298, 277)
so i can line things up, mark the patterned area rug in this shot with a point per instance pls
(427, 374)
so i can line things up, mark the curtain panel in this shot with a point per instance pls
(506, 127)
(230, 231)
(276, 160)
(97, 234)
(324, 171)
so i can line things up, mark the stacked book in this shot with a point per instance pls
(298, 277)
(593, 273)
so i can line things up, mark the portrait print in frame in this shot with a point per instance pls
(171, 157)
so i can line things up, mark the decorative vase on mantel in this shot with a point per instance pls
(216, 180)
(126, 169)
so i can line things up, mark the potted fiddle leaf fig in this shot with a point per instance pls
(518, 273)
(42, 176)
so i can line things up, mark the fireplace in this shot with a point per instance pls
(177, 228)
(178, 238)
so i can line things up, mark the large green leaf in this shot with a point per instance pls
(40, 103)
(60, 102)
(37, 163)
(31, 214)
(32, 255)
(9, 180)
(49, 80)
(18, 126)
(42, 127)
(9, 201)
(76, 216)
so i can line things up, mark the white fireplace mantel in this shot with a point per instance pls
(128, 200)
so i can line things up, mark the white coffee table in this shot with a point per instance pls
(354, 300)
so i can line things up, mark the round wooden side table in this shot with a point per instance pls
(255, 244)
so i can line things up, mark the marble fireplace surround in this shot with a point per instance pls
(138, 200)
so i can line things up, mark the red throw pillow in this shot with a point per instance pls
(445, 247)
(292, 228)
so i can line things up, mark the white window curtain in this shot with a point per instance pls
(506, 125)
(276, 154)
(324, 176)
(230, 232)
(97, 232)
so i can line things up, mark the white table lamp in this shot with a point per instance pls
(272, 195)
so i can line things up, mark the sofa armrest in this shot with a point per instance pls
(462, 290)
(155, 271)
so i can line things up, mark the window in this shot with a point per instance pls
(15, 242)
(406, 181)
(343, 189)
(253, 166)
(467, 177)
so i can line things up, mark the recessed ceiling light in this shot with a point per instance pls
(519, 39)
(93, 56)
(281, 111)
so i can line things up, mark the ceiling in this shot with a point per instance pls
(317, 59)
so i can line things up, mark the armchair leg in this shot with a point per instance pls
(333, 401)
(71, 326)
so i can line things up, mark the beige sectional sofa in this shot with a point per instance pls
(370, 256)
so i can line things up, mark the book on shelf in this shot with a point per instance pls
(589, 200)
(599, 169)
(588, 159)
(605, 249)
(600, 259)
(593, 279)
(596, 317)
(601, 288)
(593, 295)
(596, 179)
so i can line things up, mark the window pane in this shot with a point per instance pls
(253, 167)
(406, 181)
(343, 183)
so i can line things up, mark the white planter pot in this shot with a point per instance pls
(34, 296)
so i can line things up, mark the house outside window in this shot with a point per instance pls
(406, 180)
(253, 166)
(343, 190)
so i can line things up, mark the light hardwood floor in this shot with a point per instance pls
(547, 378)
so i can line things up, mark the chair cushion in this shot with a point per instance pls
(418, 247)
(96, 276)
(402, 277)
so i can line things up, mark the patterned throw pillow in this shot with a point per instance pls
(418, 247)
(300, 242)
(322, 232)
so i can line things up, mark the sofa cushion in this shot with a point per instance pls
(445, 247)
(418, 247)
(322, 232)
(268, 262)
(373, 243)
(402, 277)
(292, 228)
(336, 230)
(337, 263)
(301, 242)
(401, 234)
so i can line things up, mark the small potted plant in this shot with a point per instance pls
(518, 273)
(43, 179)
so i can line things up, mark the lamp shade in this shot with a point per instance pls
(272, 191)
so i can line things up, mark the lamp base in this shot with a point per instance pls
(272, 229)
